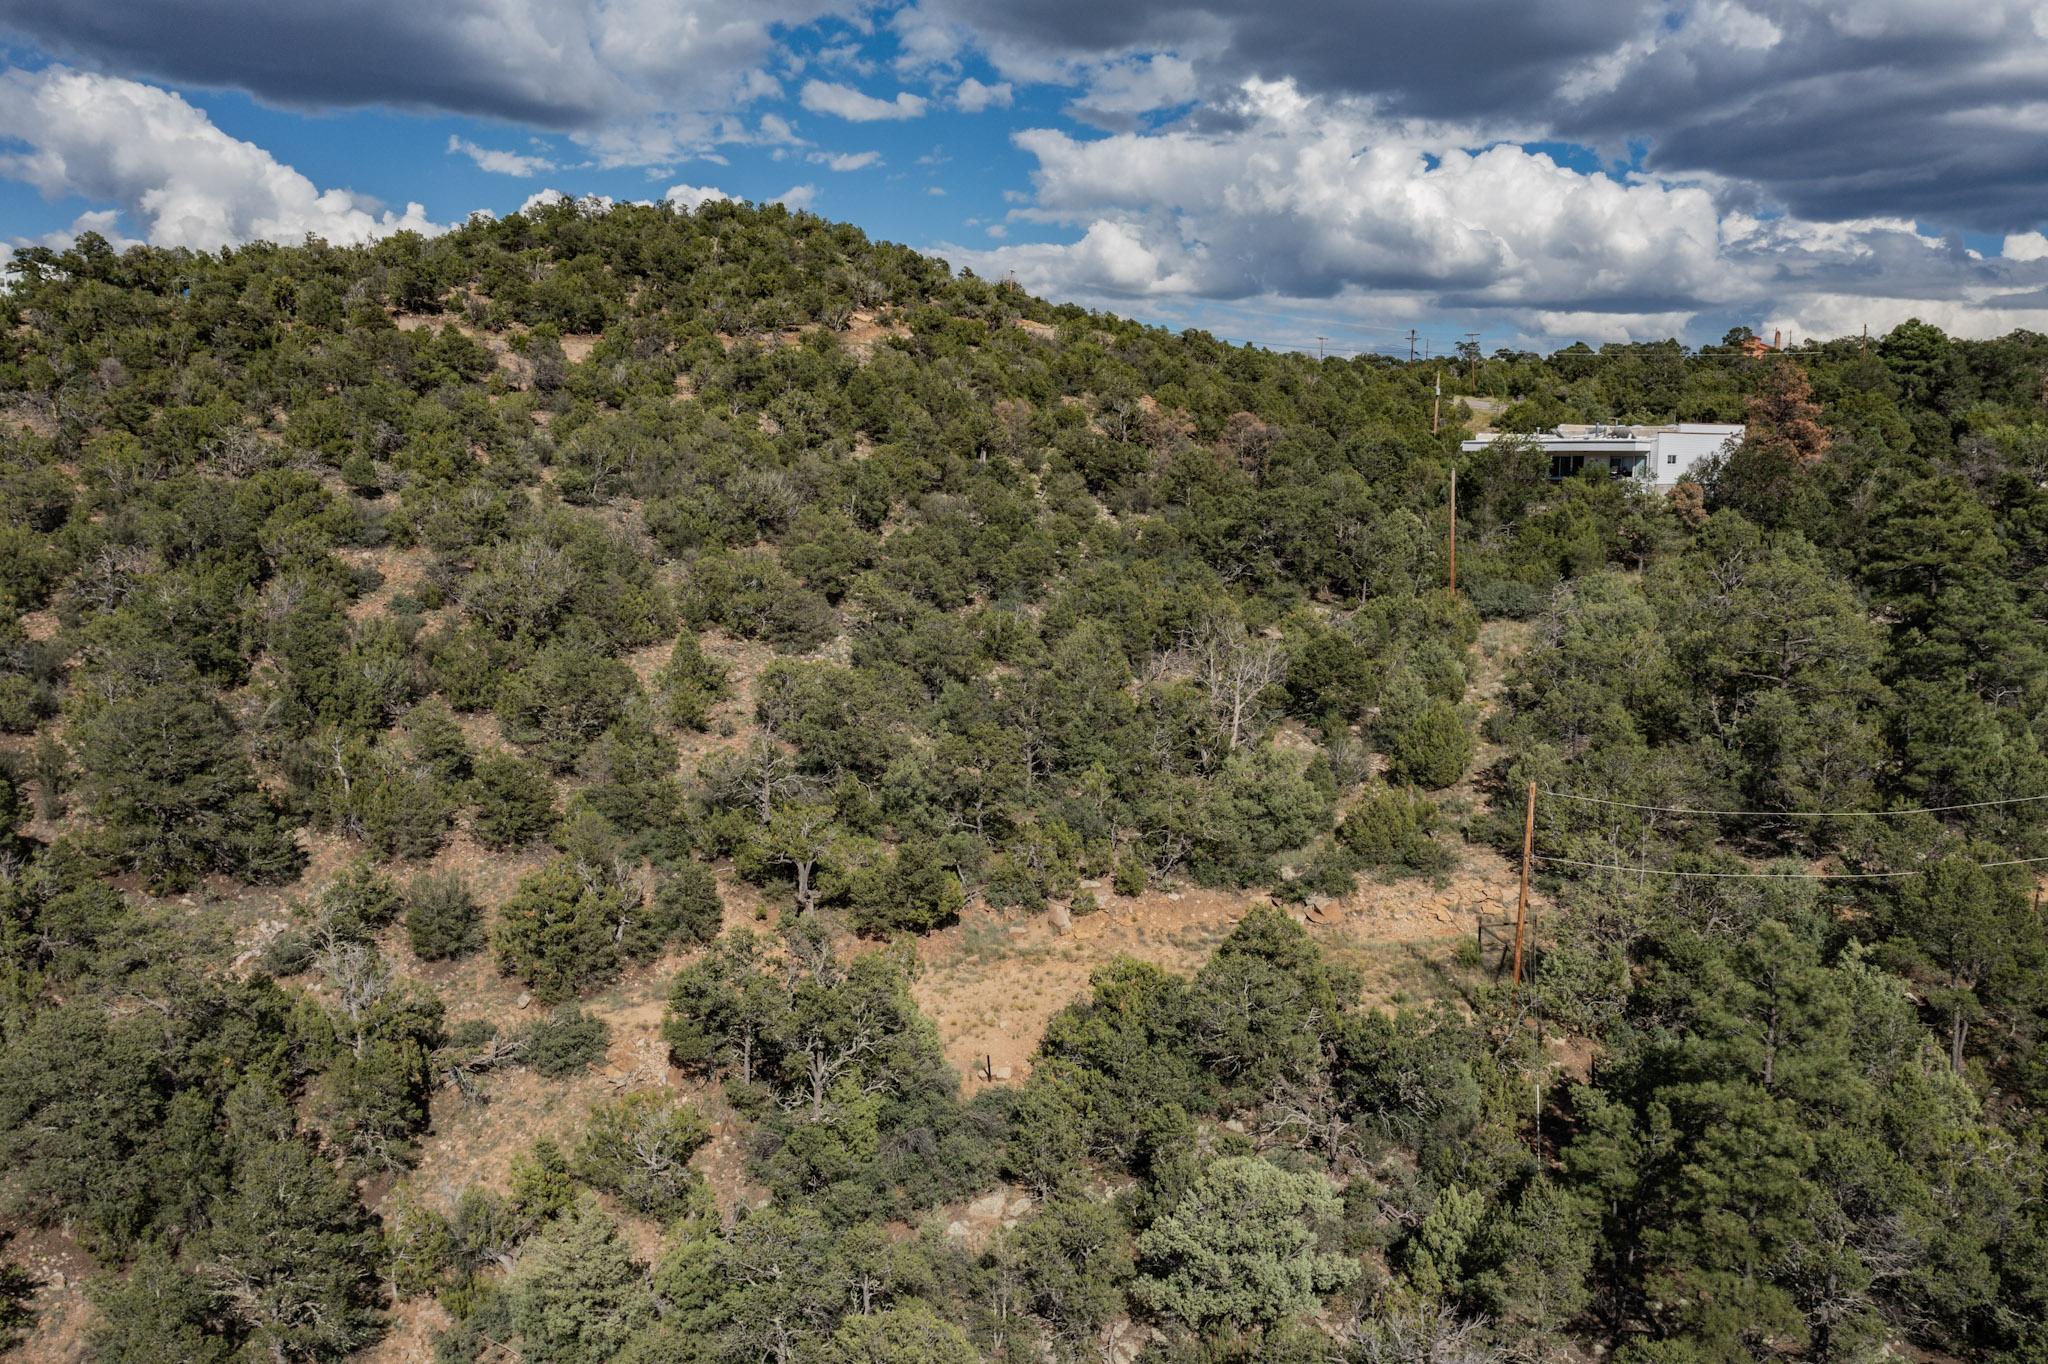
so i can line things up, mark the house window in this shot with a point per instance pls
(1671, 459)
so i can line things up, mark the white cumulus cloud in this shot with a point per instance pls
(637, 81)
(175, 175)
(501, 162)
(843, 101)
(844, 161)
(590, 205)
(1120, 91)
(972, 96)
(2027, 245)
(1287, 198)
(690, 198)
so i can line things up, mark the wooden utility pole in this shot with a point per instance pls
(1454, 530)
(1436, 412)
(1528, 851)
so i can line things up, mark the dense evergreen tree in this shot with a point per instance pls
(164, 774)
(559, 932)
(1240, 1247)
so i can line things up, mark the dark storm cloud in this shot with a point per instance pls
(563, 64)
(1830, 108)
(466, 56)
(1909, 110)
(1834, 110)
(1452, 57)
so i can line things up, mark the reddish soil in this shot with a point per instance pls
(403, 570)
(991, 983)
(62, 1312)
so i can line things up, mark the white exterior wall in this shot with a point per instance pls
(1669, 452)
(1681, 447)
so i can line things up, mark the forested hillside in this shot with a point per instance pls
(710, 604)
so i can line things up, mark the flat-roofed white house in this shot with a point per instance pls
(1657, 455)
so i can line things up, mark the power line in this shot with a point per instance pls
(1548, 860)
(1797, 814)
(1334, 324)
(1770, 875)
(1653, 351)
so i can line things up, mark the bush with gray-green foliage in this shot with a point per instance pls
(357, 904)
(17, 1291)
(1244, 1246)
(566, 1042)
(1390, 827)
(559, 931)
(690, 684)
(170, 789)
(515, 802)
(564, 698)
(157, 1313)
(433, 738)
(638, 1147)
(910, 1334)
(576, 1294)
(442, 919)
(687, 908)
(293, 1255)
(419, 1247)
(1427, 740)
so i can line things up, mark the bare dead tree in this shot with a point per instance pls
(359, 978)
(1235, 667)
(463, 1072)
(762, 776)
(1424, 1334)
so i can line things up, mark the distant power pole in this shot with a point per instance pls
(1454, 530)
(1319, 346)
(1411, 345)
(1435, 425)
(1528, 855)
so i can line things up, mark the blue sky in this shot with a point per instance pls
(1274, 171)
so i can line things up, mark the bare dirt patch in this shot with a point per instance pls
(62, 1312)
(866, 330)
(403, 570)
(992, 982)
(517, 369)
(1484, 410)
